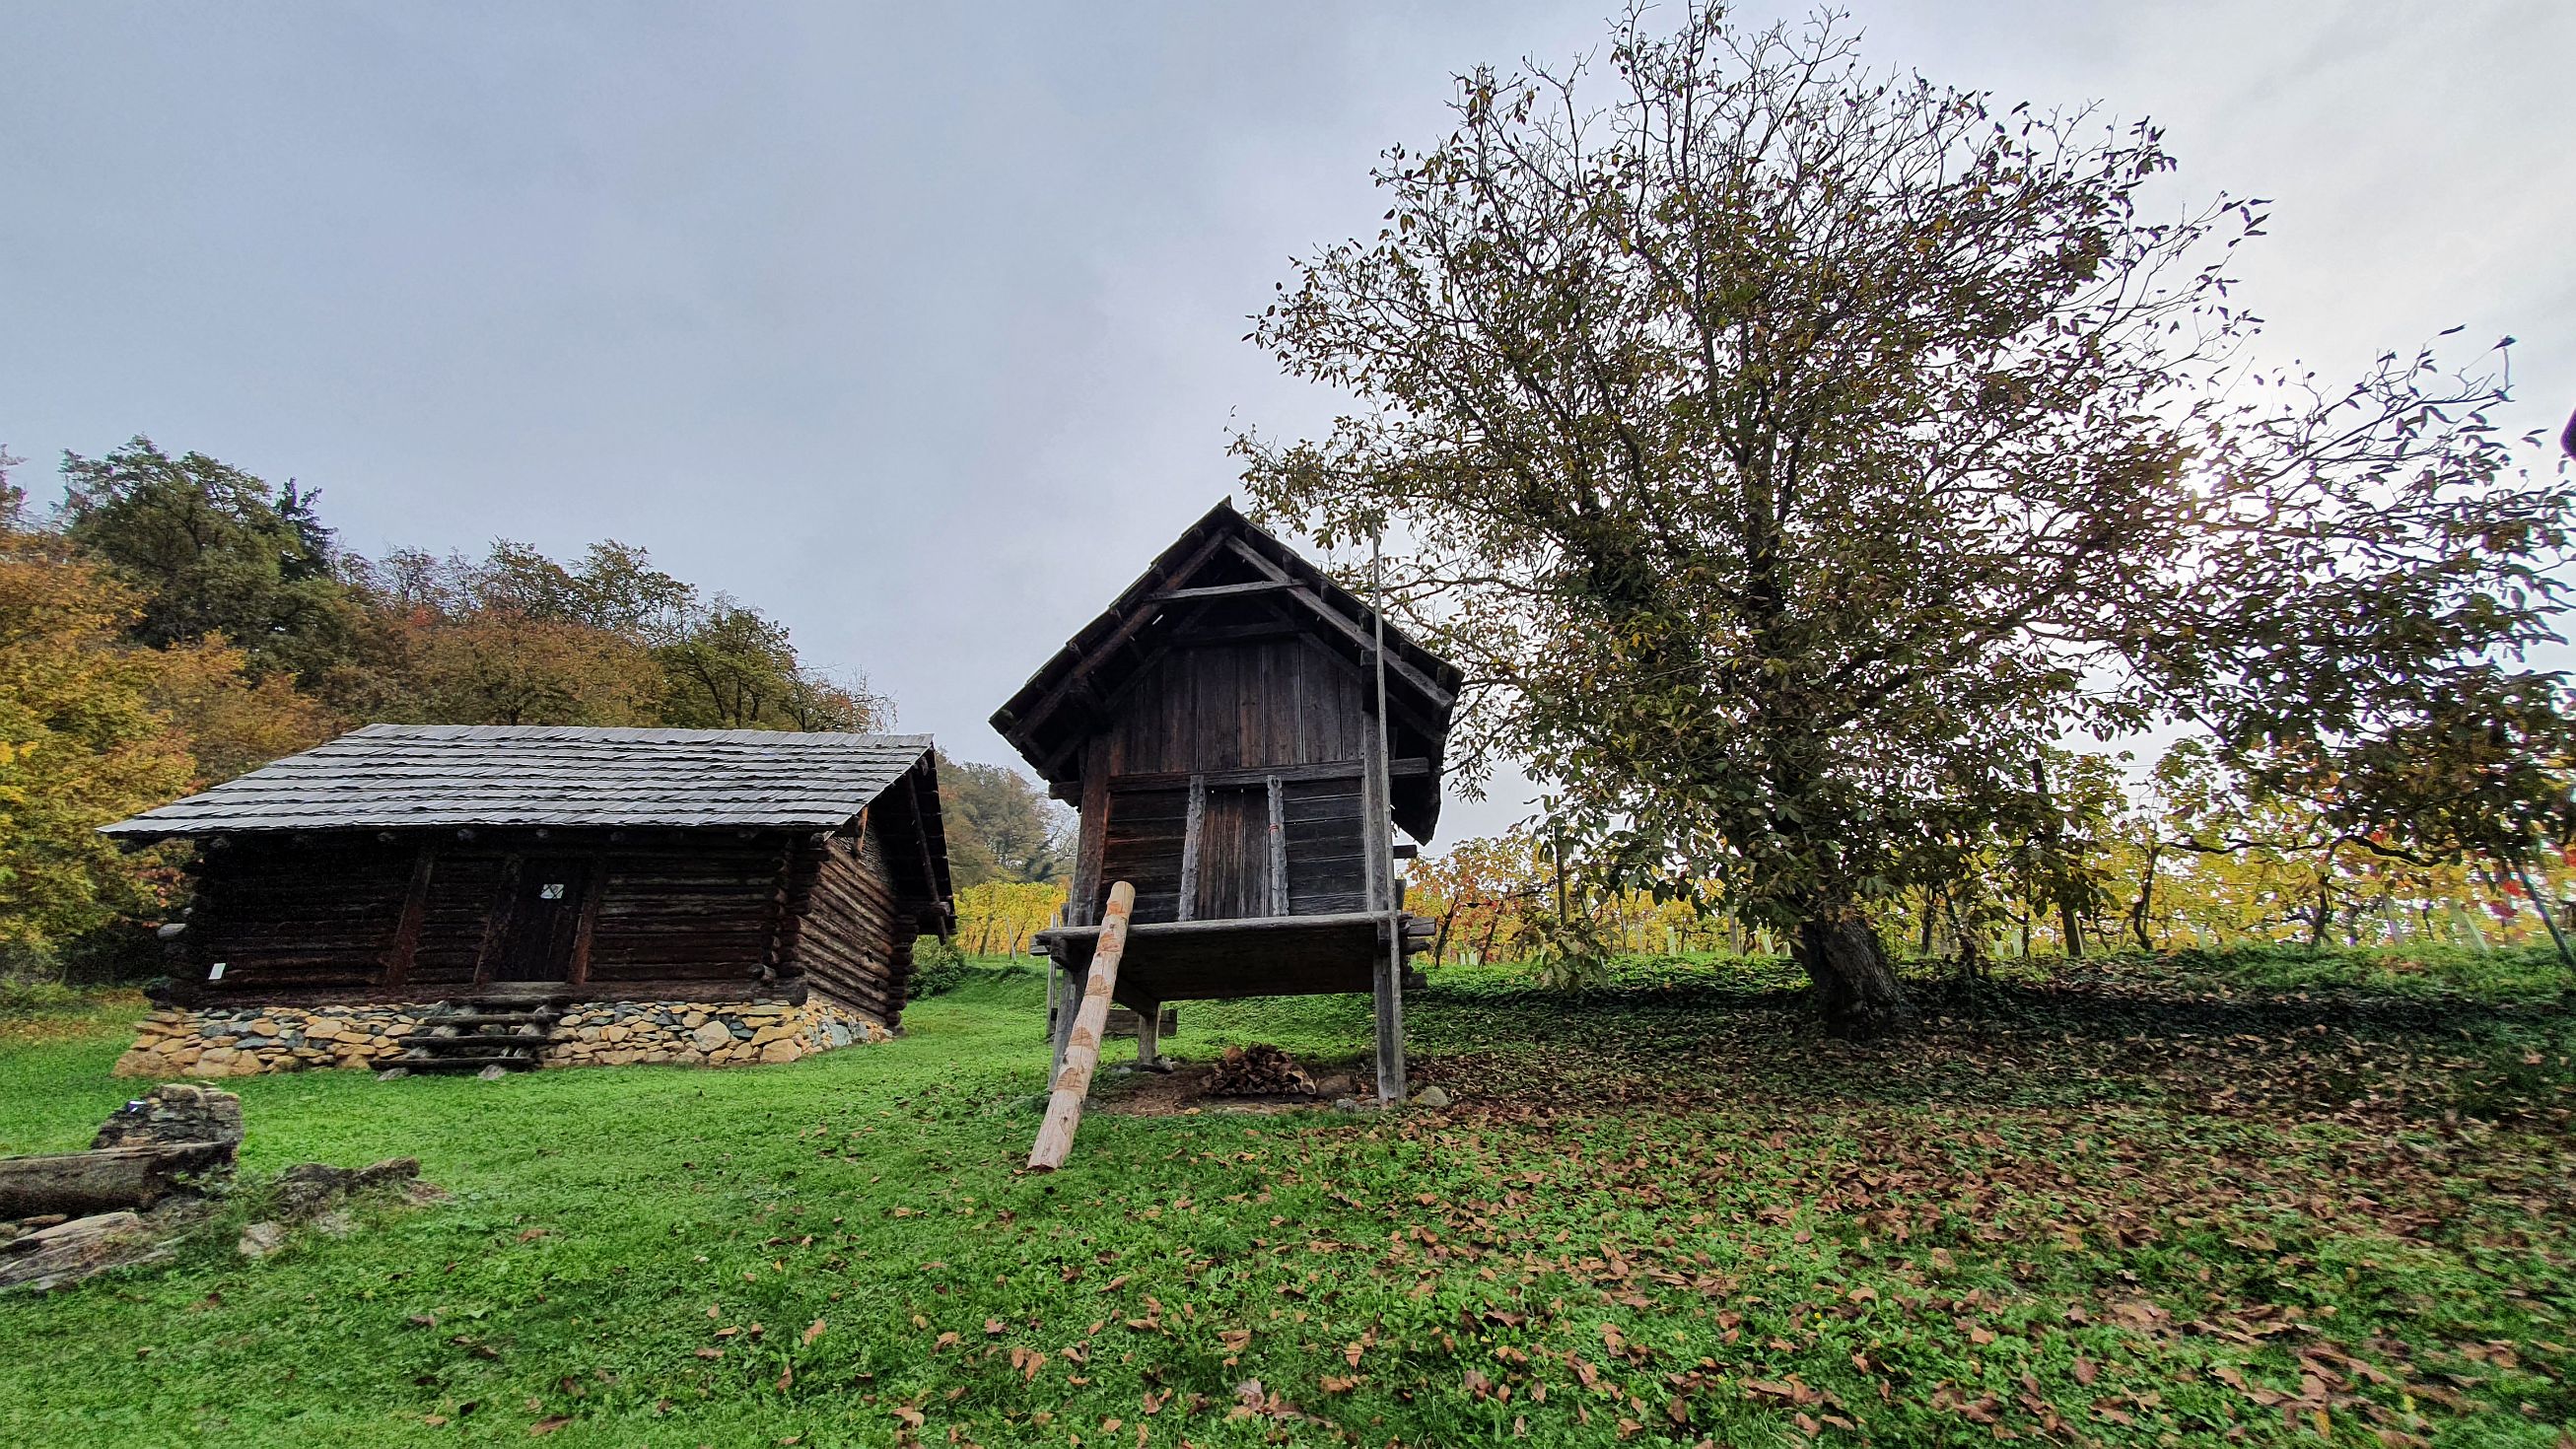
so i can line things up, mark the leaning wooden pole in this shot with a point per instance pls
(1082, 1044)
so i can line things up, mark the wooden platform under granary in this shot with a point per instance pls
(552, 866)
(1243, 737)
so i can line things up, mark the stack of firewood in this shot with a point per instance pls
(1260, 1070)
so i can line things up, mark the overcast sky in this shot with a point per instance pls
(919, 326)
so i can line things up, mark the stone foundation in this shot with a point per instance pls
(247, 1041)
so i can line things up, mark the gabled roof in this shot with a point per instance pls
(414, 776)
(1225, 561)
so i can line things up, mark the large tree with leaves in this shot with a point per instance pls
(80, 743)
(1793, 453)
(214, 550)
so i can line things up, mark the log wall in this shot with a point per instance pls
(295, 915)
(853, 941)
(694, 917)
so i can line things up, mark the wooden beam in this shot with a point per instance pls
(1386, 977)
(1149, 1025)
(1278, 901)
(588, 925)
(415, 908)
(921, 847)
(1060, 1020)
(1223, 591)
(639, 988)
(1093, 842)
(1305, 594)
(1261, 774)
(1386, 998)
(1156, 930)
(1082, 1046)
(1204, 636)
(1190, 847)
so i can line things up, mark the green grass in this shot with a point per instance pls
(2121, 1209)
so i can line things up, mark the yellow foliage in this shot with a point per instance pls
(231, 723)
(998, 917)
(498, 667)
(85, 747)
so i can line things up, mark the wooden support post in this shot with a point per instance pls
(1082, 1046)
(1277, 904)
(1149, 1026)
(396, 966)
(1378, 844)
(1060, 1020)
(1190, 848)
(1387, 986)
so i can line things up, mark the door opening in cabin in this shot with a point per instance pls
(545, 920)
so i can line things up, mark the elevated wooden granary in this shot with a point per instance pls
(1243, 738)
(664, 877)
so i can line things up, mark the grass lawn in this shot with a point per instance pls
(2153, 1203)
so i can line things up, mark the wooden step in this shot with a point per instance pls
(433, 1065)
(482, 1047)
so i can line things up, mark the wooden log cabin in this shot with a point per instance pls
(1220, 729)
(696, 869)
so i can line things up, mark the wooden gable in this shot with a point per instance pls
(1232, 650)
(1218, 726)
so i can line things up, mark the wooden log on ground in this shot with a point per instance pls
(64, 1254)
(104, 1180)
(1082, 1044)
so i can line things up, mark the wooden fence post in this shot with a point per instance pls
(1082, 1045)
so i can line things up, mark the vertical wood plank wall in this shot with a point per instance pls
(1271, 702)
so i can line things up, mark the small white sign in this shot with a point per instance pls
(217, 974)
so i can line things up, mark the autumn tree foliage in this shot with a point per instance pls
(1796, 455)
(80, 742)
(1001, 826)
(1003, 917)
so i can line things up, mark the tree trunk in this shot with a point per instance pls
(2325, 909)
(1856, 990)
(2146, 901)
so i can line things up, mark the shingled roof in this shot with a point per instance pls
(415, 776)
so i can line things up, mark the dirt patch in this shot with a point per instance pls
(1191, 1087)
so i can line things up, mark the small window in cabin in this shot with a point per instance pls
(551, 891)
